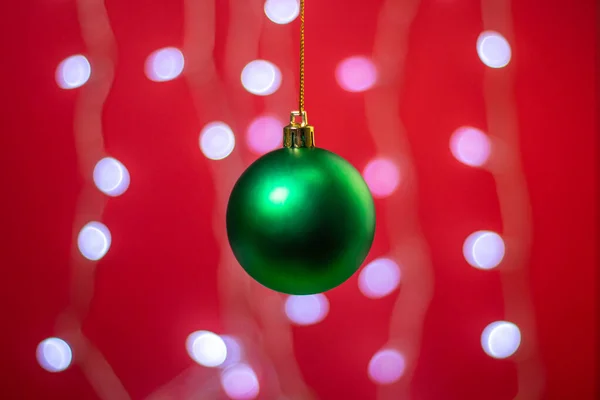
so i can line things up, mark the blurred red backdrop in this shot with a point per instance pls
(159, 281)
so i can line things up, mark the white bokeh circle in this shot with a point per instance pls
(54, 354)
(217, 140)
(379, 278)
(261, 77)
(484, 249)
(164, 64)
(501, 339)
(73, 72)
(94, 240)
(493, 49)
(111, 177)
(282, 11)
(206, 348)
(306, 309)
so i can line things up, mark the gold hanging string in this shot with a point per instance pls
(301, 106)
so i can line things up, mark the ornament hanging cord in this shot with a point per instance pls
(301, 100)
(299, 135)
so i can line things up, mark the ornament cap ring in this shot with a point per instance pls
(298, 135)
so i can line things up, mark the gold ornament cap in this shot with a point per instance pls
(298, 135)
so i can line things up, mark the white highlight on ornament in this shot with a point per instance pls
(386, 366)
(484, 249)
(73, 72)
(235, 351)
(501, 339)
(54, 354)
(111, 177)
(470, 146)
(261, 77)
(217, 140)
(356, 74)
(240, 382)
(279, 195)
(206, 348)
(493, 49)
(379, 278)
(164, 64)
(282, 11)
(94, 240)
(264, 134)
(382, 177)
(307, 310)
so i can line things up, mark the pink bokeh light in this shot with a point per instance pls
(470, 146)
(382, 177)
(264, 134)
(356, 74)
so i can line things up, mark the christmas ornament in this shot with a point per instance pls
(300, 220)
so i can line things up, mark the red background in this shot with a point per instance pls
(159, 281)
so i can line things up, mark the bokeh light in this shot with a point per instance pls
(484, 249)
(217, 140)
(356, 74)
(382, 177)
(240, 382)
(264, 134)
(282, 11)
(470, 146)
(111, 177)
(386, 366)
(206, 348)
(501, 339)
(261, 77)
(307, 310)
(73, 72)
(164, 64)
(235, 352)
(493, 49)
(54, 354)
(94, 240)
(379, 278)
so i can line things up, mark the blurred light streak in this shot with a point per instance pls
(89, 145)
(193, 383)
(247, 306)
(409, 247)
(513, 197)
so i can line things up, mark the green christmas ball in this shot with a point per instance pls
(300, 220)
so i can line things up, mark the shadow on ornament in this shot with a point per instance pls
(300, 220)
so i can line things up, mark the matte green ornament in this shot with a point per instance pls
(300, 220)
